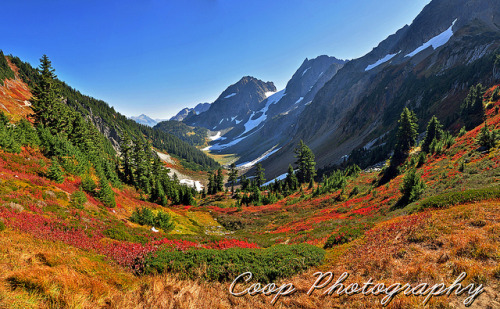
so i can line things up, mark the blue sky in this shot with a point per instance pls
(156, 57)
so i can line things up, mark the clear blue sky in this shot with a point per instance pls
(156, 57)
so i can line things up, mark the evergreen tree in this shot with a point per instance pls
(472, 108)
(405, 139)
(233, 176)
(486, 138)
(244, 183)
(407, 131)
(291, 180)
(311, 184)
(45, 95)
(260, 176)
(55, 172)
(219, 180)
(142, 174)
(46, 103)
(305, 163)
(211, 183)
(434, 131)
(106, 194)
(412, 187)
(126, 159)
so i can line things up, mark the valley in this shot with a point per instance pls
(385, 167)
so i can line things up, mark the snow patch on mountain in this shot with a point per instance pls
(280, 177)
(253, 123)
(435, 42)
(192, 183)
(305, 71)
(299, 100)
(380, 61)
(269, 93)
(230, 95)
(216, 136)
(264, 156)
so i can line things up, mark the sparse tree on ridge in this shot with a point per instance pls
(434, 131)
(305, 163)
(260, 176)
(233, 176)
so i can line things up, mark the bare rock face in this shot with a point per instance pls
(111, 133)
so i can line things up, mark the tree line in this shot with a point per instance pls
(94, 109)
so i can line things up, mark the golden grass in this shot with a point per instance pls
(435, 248)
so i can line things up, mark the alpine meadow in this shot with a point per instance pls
(369, 182)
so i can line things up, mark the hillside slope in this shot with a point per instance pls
(59, 253)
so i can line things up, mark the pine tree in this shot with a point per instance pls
(45, 94)
(305, 163)
(126, 159)
(472, 108)
(106, 194)
(244, 183)
(412, 187)
(434, 131)
(46, 103)
(142, 174)
(211, 183)
(55, 172)
(407, 131)
(260, 176)
(405, 139)
(486, 138)
(233, 176)
(219, 180)
(291, 180)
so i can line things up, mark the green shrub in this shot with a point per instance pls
(343, 235)
(453, 198)
(78, 199)
(118, 234)
(88, 184)
(55, 172)
(266, 265)
(495, 96)
(421, 159)
(145, 216)
(412, 187)
(461, 167)
(354, 191)
(2, 226)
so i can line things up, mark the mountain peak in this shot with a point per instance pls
(145, 120)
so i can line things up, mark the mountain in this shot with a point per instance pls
(237, 103)
(427, 66)
(145, 120)
(276, 119)
(198, 109)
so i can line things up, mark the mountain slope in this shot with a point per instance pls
(427, 66)
(115, 125)
(198, 109)
(235, 104)
(275, 122)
